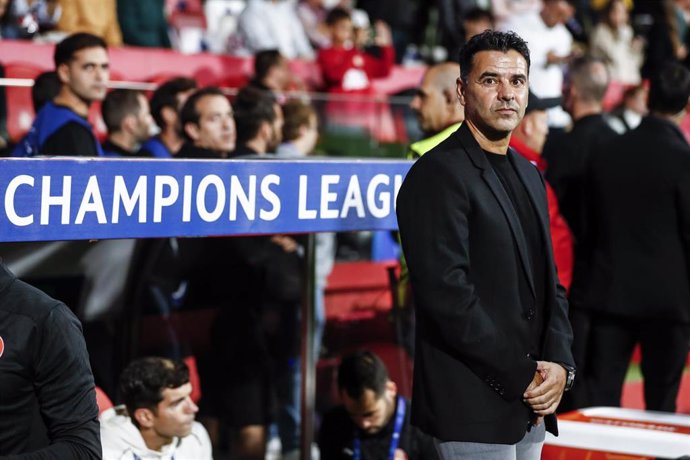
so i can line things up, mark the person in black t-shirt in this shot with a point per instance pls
(128, 119)
(373, 421)
(208, 125)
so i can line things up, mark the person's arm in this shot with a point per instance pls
(433, 211)
(72, 139)
(65, 390)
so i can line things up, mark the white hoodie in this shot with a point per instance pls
(121, 440)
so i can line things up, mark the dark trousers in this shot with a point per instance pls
(664, 345)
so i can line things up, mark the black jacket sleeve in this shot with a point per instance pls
(65, 390)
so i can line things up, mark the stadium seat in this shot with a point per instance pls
(20, 111)
(102, 400)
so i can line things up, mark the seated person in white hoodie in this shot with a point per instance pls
(157, 419)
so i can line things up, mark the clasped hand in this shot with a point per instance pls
(545, 391)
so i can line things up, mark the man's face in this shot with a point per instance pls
(143, 120)
(276, 136)
(369, 413)
(495, 94)
(429, 104)
(87, 74)
(3, 7)
(216, 128)
(175, 414)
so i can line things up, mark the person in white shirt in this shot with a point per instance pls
(157, 419)
(268, 24)
(550, 48)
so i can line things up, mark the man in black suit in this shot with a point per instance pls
(638, 248)
(493, 339)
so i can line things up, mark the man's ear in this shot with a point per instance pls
(169, 116)
(128, 123)
(63, 73)
(391, 388)
(192, 130)
(460, 90)
(144, 417)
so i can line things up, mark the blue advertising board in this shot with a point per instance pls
(96, 198)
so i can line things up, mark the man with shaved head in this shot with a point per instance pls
(567, 156)
(437, 107)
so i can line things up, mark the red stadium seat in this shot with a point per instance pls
(20, 110)
(102, 400)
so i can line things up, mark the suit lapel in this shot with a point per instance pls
(480, 161)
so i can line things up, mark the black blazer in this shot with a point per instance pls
(459, 231)
(638, 236)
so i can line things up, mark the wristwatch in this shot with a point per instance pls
(570, 377)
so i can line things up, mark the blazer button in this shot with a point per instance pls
(530, 313)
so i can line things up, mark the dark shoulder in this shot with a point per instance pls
(73, 139)
(22, 299)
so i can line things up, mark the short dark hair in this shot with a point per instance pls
(264, 60)
(477, 14)
(67, 48)
(490, 40)
(144, 379)
(296, 114)
(336, 15)
(669, 89)
(46, 86)
(360, 371)
(118, 104)
(252, 107)
(189, 112)
(166, 96)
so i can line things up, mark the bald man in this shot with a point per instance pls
(437, 107)
(567, 156)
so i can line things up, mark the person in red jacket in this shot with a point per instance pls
(348, 69)
(528, 140)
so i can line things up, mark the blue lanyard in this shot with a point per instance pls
(395, 438)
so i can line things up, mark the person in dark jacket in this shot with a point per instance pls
(208, 125)
(638, 250)
(492, 354)
(373, 420)
(47, 394)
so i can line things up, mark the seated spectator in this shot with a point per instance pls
(313, 13)
(271, 71)
(348, 69)
(300, 130)
(32, 17)
(613, 40)
(208, 125)
(8, 28)
(166, 103)
(61, 127)
(157, 418)
(128, 120)
(504, 10)
(373, 421)
(259, 121)
(143, 23)
(267, 24)
(98, 18)
(46, 87)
